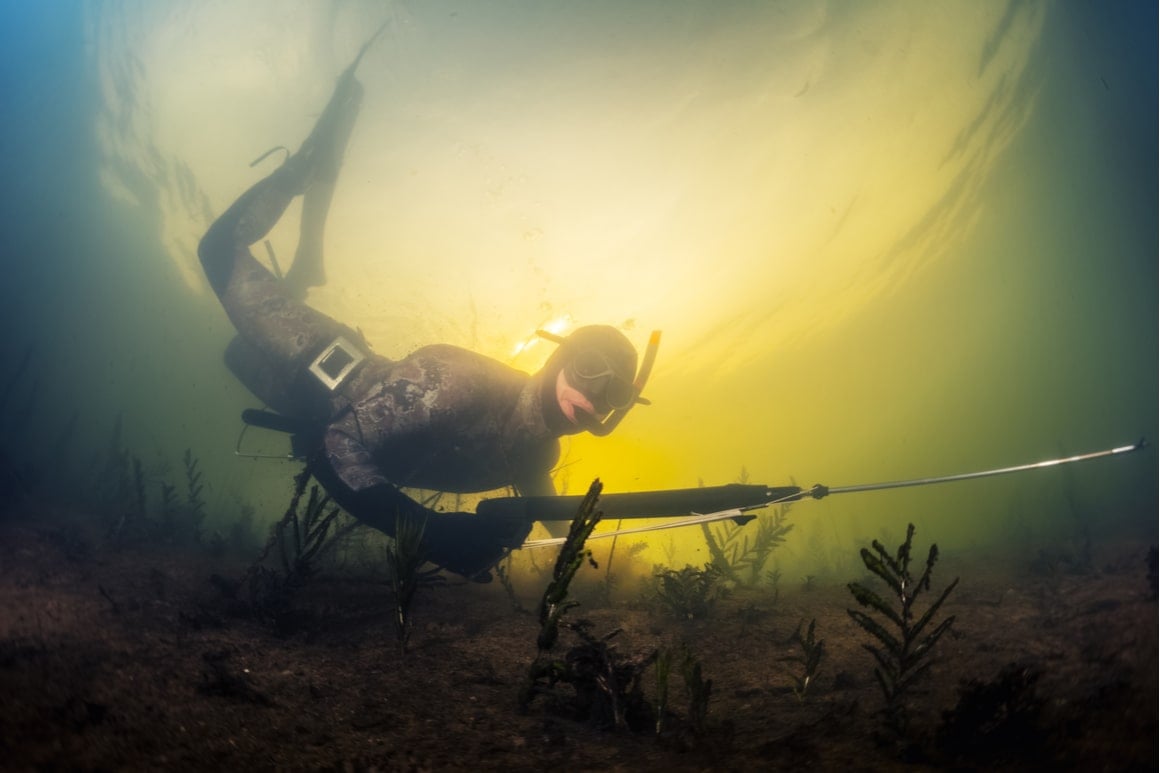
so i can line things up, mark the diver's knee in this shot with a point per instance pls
(216, 254)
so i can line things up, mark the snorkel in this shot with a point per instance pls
(617, 395)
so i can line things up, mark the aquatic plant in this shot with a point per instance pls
(120, 484)
(740, 552)
(299, 538)
(904, 641)
(545, 671)
(405, 556)
(773, 580)
(689, 593)
(195, 505)
(573, 553)
(664, 666)
(607, 683)
(809, 659)
(698, 691)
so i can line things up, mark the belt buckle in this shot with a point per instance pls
(336, 362)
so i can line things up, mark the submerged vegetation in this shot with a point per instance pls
(545, 670)
(405, 557)
(133, 515)
(905, 637)
(697, 651)
(688, 593)
(607, 685)
(297, 540)
(740, 551)
(809, 659)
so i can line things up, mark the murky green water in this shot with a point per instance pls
(883, 241)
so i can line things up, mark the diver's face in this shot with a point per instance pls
(573, 404)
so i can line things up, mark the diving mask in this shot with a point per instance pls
(591, 373)
(599, 362)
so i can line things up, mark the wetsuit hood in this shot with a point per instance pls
(596, 364)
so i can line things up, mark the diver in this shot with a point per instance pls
(442, 418)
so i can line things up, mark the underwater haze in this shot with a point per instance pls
(882, 240)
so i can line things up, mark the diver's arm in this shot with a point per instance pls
(266, 311)
(461, 542)
(349, 474)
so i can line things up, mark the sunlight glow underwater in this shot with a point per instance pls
(758, 181)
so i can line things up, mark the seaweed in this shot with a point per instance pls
(545, 671)
(689, 593)
(195, 505)
(740, 552)
(904, 642)
(809, 659)
(606, 683)
(573, 554)
(405, 556)
(773, 580)
(664, 666)
(299, 539)
(699, 690)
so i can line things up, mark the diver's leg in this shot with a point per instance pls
(333, 135)
(264, 311)
(313, 171)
